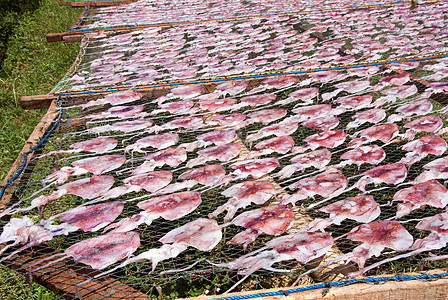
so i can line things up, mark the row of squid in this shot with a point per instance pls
(257, 176)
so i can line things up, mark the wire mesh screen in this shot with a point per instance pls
(311, 142)
(271, 44)
(270, 181)
(147, 13)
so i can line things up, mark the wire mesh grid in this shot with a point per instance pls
(262, 45)
(420, 36)
(83, 114)
(150, 13)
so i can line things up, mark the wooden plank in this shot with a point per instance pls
(55, 37)
(43, 101)
(72, 38)
(36, 101)
(108, 3)
(64, 277)
(38, 133)
(64, 37)
(390, 290)
(77, 3)
(64, 3)
(93, 3)
(59, 37)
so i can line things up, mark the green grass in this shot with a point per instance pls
(15, 287)
(31, 67)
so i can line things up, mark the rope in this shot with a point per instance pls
(25, 156)
(379, 63)
(337, 283)
(76, 64)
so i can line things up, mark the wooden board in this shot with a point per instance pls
(59, 37)
(37, 101)
(93, 3)
(108, 3)
(72, 3)
(72, 38)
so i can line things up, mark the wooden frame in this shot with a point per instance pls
(76, 36)
(63, 277)
(392, 290)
